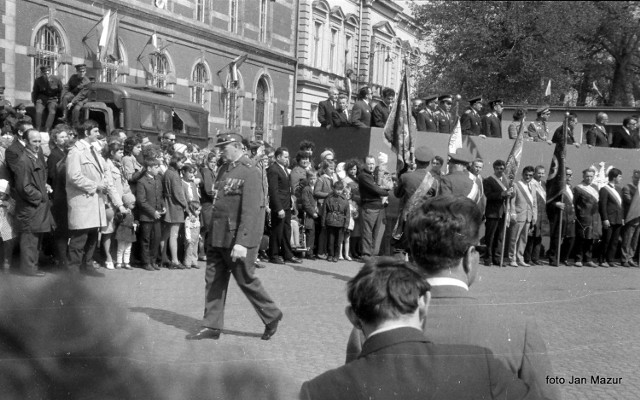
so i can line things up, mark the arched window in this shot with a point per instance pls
(262, 112)
(49, 48)
(199, 77)
(159, 70)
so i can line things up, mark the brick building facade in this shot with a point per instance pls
(182, 45)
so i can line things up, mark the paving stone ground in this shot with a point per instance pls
(589, 318)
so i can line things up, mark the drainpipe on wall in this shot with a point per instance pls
(360, 7)
(295, 73)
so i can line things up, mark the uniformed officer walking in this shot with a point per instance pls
(233, 241)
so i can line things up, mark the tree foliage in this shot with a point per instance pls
(510, 50)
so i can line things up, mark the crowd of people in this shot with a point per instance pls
(436, 114)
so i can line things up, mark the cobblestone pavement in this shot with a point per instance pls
(588, 316)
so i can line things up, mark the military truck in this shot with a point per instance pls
(147, 110)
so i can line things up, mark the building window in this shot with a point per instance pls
(233, 16)
(317, 45)
(333, 50)
(263, 20)
(200, 10)
(49, 47)
(347, 53)
(200, 77)
(262, 113)
(159, 70)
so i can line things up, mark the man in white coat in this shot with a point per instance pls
(86, 184)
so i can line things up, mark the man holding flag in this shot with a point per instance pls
(631, 228)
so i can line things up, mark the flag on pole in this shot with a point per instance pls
(557, 179)
(235, 64)
(596, 89)
(513, 161)
(548, 91)
(108, 43)
(401, 127)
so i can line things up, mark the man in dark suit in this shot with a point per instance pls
(623, 138)
(449, 227)
(631, 228)
(571, 125)
(443, 114)
(381, 111)
(387, 299)
(372, 212)
(470, 121)
(492, 122)
(32, 209)
(567, 235)
(234, 238)
(498, 192)
(280, 203)
(597, 135)
(418, 115)
(340, 116)
(361, 111)
(58, 147)
(326, 108)
(46, 94)
(15, 150)
(585, 200)
(611, 213)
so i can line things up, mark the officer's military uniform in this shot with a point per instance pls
(470, 122)
(71, 94)
(537, 130)
(444, 121)
(235, 220)
(45, 94)
(430, 120)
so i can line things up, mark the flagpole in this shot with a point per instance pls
(457, 108)
(564, 138)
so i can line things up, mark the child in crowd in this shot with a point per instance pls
(150, 203)
(382, 175)
(125, 232)
(7, 224)
(310, 211)
(353, 215)
(335, 217)
(188, 173)
(192, 235)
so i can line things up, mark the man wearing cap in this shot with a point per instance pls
(498, 192)
(45, 94)
(537, 130)
(459, 181)
(70, 94)
(361, 111)
(233, 242)
(326, 108)
(597, 135)
(413, 187)
(430, 113)
(381, 111)
(491, 122)
(470, 120)
(443, 114)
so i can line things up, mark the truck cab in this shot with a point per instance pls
(147, 110)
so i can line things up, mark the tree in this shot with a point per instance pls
(510, 50)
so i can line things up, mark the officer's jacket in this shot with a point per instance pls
(236, 208)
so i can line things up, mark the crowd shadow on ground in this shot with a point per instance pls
(300, 268)
(183, 322)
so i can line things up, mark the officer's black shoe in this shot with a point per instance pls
(294, 260)
(205, 333)
(271, 328)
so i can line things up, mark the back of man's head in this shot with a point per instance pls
(441, 230)
(385, 289)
